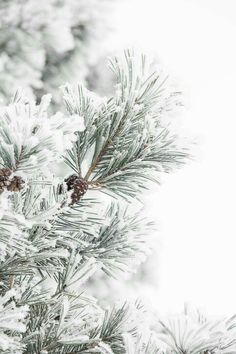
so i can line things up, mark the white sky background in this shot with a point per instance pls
(195, 208)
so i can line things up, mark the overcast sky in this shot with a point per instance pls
(195, 39)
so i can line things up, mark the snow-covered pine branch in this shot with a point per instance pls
(56, 231)
(194, 332)
(12, 323)
(124, 143)
(29, 139)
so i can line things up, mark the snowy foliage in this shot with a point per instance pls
(12, 323)
(193, 332)
(49, 42)
(29, 138)
(50, 247)
(125, 133)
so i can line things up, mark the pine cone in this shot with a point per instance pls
(79, 187)
(4, 178)
(70, 181)
(16, 184)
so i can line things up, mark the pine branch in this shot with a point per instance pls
(103, 151)
(123, 134)
(54, 237)
(120, 246)
(192, 332)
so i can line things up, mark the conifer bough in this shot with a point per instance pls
(54, 233)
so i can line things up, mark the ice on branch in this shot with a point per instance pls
(12, 324)
(31, 139)
(13, 237)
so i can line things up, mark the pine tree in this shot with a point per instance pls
(56, 231)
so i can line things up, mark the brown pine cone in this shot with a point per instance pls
(16, 184)
(5, 172)
(4, 178)
(79, 187)
(70, 181)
